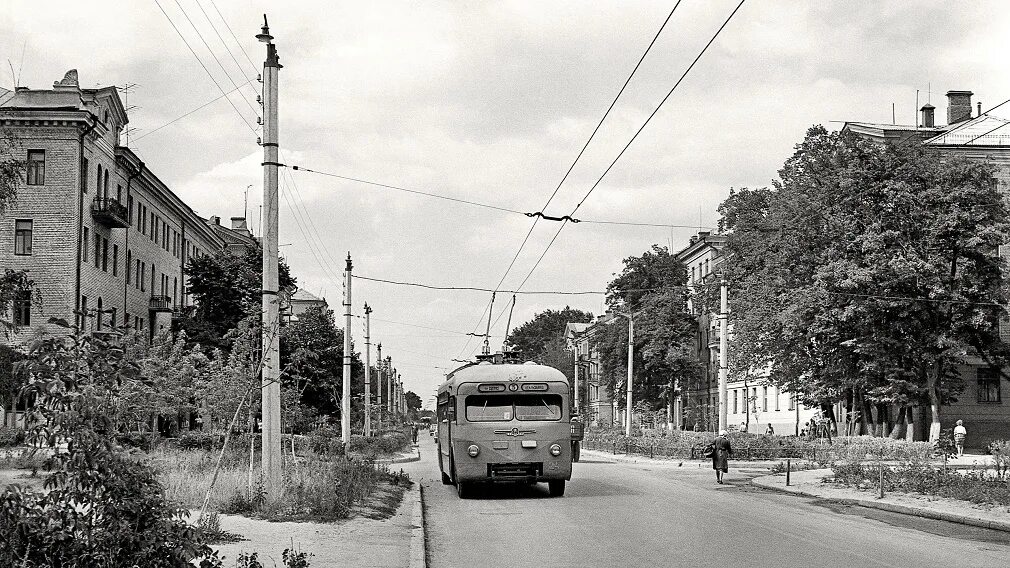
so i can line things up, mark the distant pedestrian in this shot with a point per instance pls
(770, 431)
(743, 427)
(413, 432)
(720, 455)
(959, 435)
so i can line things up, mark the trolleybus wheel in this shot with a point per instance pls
(464, 490)
(446, 480)
(556, 487)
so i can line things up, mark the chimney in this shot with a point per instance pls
(238, 223)
(927, 115)
(979, 103)
(958, 106)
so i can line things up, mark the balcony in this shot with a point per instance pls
(110, 212)
(160, 304)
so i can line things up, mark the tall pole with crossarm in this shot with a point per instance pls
(368, 371)
(345, 407)
(270, 381)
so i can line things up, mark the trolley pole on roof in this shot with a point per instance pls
(345, 407)
(270, 376)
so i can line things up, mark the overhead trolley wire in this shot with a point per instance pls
(635, 136)
(200, 61)
(526, 239)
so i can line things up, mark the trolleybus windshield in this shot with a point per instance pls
(527, 407)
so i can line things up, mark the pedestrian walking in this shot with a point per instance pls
(770, 431)
(959, 435)
(720, 455)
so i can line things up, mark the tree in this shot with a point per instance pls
(413, 404)
(877, 304)
(542, 338)
(227, 288)
(652, 287)
(11, 168)
(15, 285)
(171, 374)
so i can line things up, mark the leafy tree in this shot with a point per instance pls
(11, 168)
(877, 304)
(542, 338)
(413, 403)
(227, 288)
(14, 285)
(99, 508)
(171, 373)
(653, 288)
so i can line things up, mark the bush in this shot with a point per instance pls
(144, 441)
(11, 437)
(975, 486)
(200, 441)
(388, 443)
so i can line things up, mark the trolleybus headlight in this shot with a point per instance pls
(555, 450)
(473, 450)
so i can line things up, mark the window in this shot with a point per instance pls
(98, 250)
(143, 277)
(105, 185)
(85, 243)
(119, 193)
(764, 399)
(115, 260)
(988, 384)
(792, 402)
(23, 309)
(129, 264)
(105, 254)
(129, 207)
(154, 228)
(36, 174)
(84, 188)
(754, 399)
(706, 266)
(98, 315)
(137, 280)
(98, 183)
(23, 237)
(777, 395)
(519, 407)
(736, 408)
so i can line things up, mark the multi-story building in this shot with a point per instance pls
(102, 236)
(754, 403)
(975, 136)
(595, 402)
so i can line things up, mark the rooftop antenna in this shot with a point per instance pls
(245, 202)
(125, 89)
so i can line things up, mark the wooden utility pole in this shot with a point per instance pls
(345, 407)
(378, 382)
(368, 372)
(270, 380)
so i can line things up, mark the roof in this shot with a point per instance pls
(303, 295)
(491, 372)
(985, 130)
(572, 328)
(5, 95)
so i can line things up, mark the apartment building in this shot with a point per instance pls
(102, 236)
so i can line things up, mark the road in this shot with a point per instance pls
(624, 514)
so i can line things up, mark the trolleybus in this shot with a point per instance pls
(504, 423)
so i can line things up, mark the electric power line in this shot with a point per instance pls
(177, 119)
(200, 61)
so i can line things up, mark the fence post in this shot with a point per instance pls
(789, 467)
(615, 448)
(881, 481)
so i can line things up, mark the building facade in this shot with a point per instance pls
(754, 403)
(595, 402)
(102, 236)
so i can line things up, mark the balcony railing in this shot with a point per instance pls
(110, 212)
(161, 304)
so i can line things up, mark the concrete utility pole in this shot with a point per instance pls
(368, 372)
(378, 382)
(345, 407)
(390, 373)
(723, 355)
(631, 368)
(576, 378)
(270, 377)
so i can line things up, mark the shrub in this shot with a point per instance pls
(200, 441)
(975, 486)
(11, 437)
(388, 443)
(144, 441)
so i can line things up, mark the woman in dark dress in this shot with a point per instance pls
(720, 457)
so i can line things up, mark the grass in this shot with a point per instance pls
(316, 488)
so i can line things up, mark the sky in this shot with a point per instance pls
(491, 102)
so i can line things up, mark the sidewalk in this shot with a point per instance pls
(396, 542)
(411, 455)
(809, 483)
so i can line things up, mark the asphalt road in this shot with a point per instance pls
(622, 514)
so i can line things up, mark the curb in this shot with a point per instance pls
(633, 458)
(891, 507)
(417, 531)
